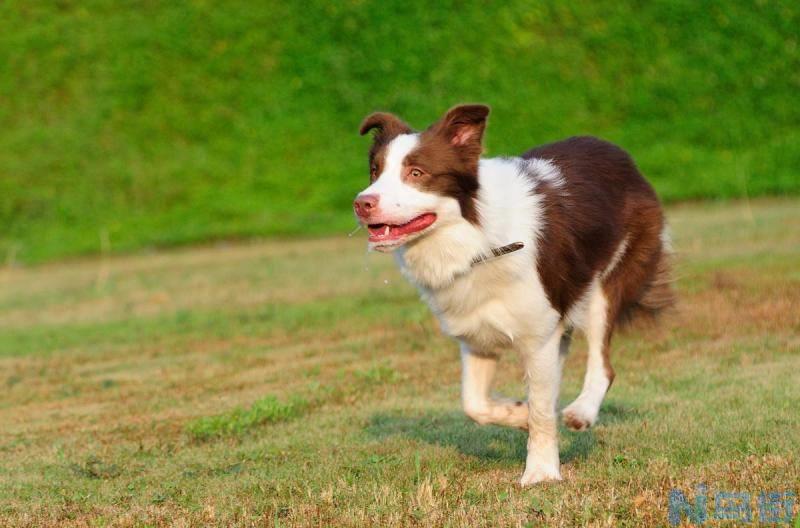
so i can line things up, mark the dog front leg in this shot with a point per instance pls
(543, 370)
(476, 381)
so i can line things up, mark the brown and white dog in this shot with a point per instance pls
(594, 250)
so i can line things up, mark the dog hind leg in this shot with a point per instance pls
(582, 413)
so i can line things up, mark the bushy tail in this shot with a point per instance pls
(658, 294)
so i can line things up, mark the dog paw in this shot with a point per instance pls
(578, 418)
(539, 474)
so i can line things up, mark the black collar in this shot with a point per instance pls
(498, 252)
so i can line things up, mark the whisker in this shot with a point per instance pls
(354, 231)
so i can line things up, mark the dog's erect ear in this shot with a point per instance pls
(463, 125)
(387, 126)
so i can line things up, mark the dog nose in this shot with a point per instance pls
(366, 204)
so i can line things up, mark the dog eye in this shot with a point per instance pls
(416, 173)
(373, 170)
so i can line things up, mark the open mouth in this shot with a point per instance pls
(381, 233)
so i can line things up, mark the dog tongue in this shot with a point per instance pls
(396, 231)
(417, 224)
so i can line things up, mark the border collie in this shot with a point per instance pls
(514, 253)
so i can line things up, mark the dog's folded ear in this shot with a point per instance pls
(387, 125)
(463, 125)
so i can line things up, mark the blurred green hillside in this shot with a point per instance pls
(134, 124)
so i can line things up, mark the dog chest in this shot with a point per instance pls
(490, 308)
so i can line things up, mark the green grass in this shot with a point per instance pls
(249, 385)
(128, 125)
(270, 409)
(264, 411)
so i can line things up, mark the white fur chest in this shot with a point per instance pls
(494, 304)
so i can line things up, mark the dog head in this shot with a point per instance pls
(422, 181)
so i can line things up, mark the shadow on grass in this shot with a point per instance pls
(613, 413)
(488, 442)
(452, 429)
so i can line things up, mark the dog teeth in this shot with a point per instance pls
(386, 231)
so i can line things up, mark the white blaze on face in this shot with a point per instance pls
(399, 202)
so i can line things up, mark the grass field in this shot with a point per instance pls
(128, 125)
(303, 383)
